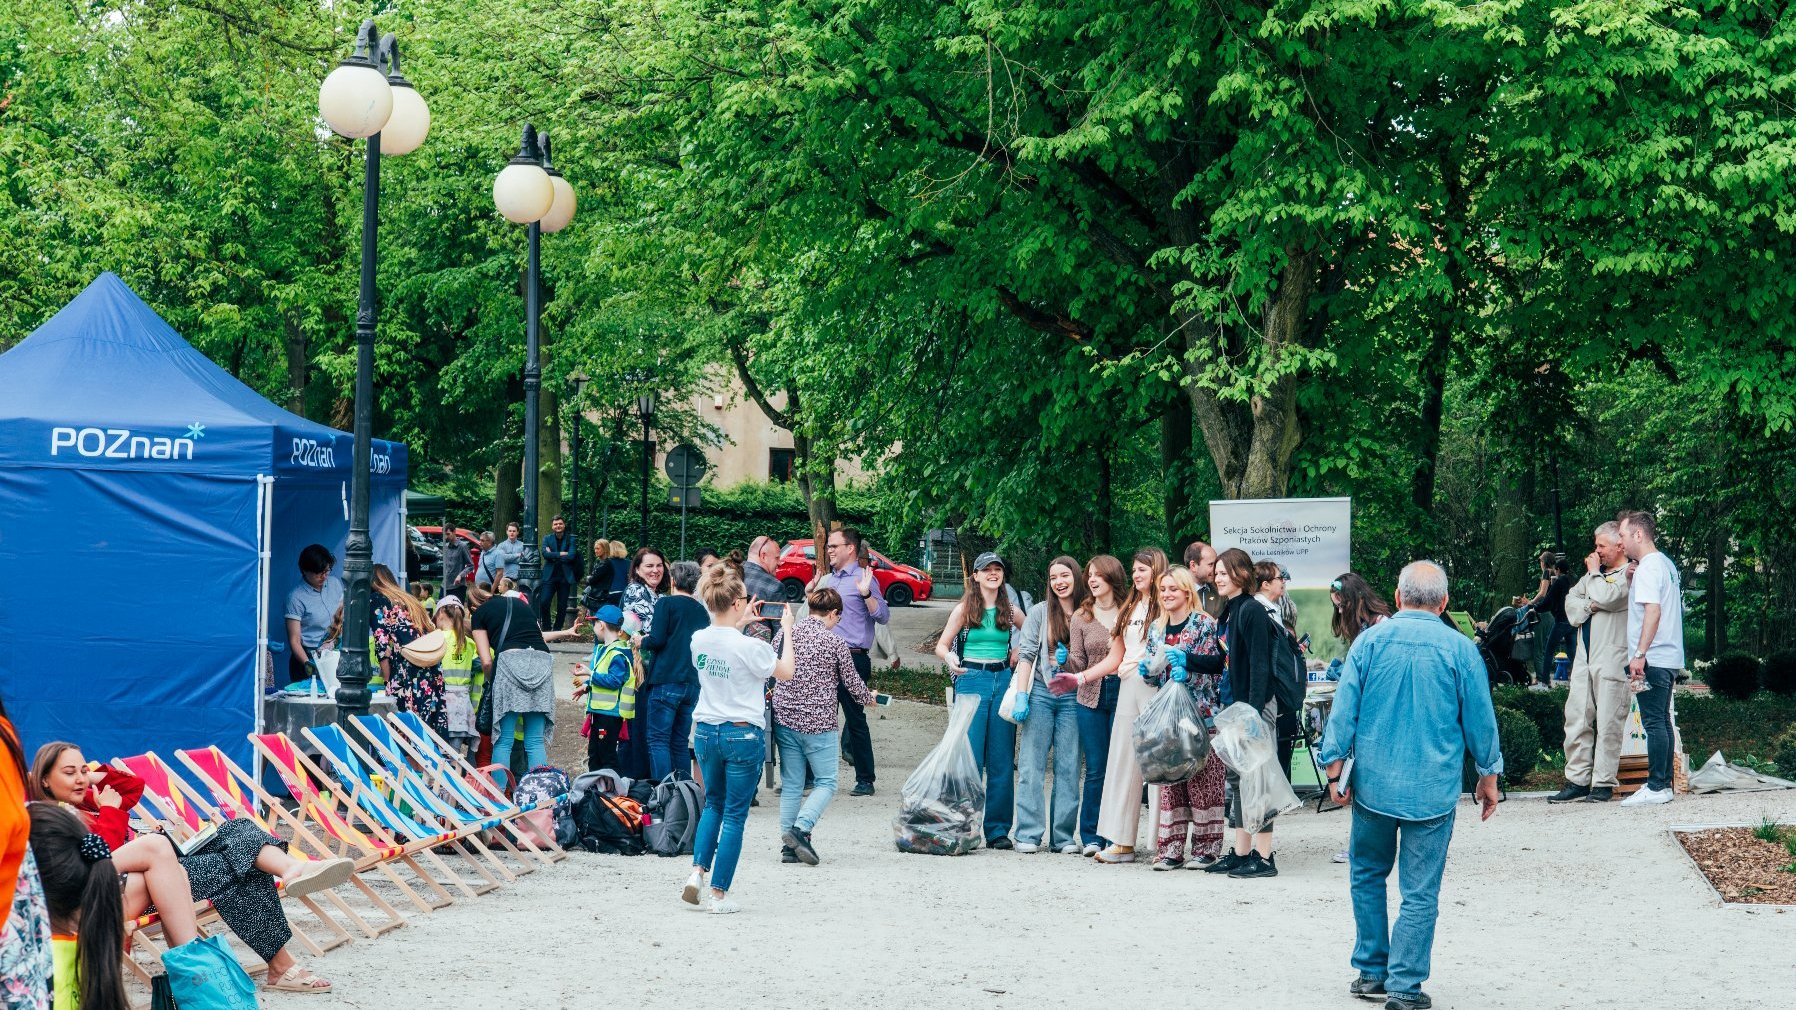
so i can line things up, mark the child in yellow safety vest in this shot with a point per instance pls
(609, 684)
(462, 683)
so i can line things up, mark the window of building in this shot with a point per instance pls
(780, 463)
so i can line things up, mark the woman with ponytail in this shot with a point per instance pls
(86, 903)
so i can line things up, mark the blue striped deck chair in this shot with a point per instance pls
(474, 790)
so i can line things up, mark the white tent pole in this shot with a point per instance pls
(264, 552)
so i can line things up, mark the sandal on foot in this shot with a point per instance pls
(321, 875)
(297, 979)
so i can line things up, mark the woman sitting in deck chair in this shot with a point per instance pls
(238, 870)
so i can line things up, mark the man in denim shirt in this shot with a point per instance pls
(1413, 700)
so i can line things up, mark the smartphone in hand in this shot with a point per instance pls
(772, 611)
(882, 699)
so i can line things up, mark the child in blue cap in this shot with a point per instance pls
(609, 684)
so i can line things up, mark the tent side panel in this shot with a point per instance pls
(135, 609)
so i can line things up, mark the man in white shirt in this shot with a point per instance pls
(1656, 634)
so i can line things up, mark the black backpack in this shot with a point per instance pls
(672, 816)
(607, 825)
(1290, 675)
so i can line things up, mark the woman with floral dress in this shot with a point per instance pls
(399, 621)
(1193, 807)
(24, 920)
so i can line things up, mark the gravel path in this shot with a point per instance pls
(1575, 906)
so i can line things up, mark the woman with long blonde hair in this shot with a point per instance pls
(399, 621)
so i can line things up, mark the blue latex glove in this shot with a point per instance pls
(1175, 666)
(1141, 670)
(1021, 710)
(1060, 654)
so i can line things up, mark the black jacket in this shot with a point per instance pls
(1251, 638)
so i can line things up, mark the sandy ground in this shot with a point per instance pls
(1574, 906)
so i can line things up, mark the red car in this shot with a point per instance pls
(900, 584)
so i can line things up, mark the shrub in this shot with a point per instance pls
(1783, 753)
(1778, 675)
(1545, 708)
(1520, 742)
(1735, 675)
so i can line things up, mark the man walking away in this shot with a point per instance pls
(1200, 558)
(561, 570)
(863, 606)
(1596, 713)
(1413, 702)
(1656, 630)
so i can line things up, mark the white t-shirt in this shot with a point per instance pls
(1134, 641)
(732, 675)
(1656, 581)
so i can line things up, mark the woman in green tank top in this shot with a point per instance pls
(977, 646)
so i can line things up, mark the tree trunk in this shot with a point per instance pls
(1512, 554)
(507, 478)
(1434, 392)
(1175, 468)
(819, 493)
(1717, 595)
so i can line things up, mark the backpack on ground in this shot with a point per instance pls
(548, 788)
(609, 824)
(672, 816)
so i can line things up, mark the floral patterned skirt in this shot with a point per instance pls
(25, 963)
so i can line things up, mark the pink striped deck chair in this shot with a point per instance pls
(371, 850)
(235, 793)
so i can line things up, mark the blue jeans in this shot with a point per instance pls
(1655, 720)
(670, 724)
(1400, 954)
(994, 746)
(730, 757)
(505, 734)
(821, 754)
(1053, 723)
(1094, 740)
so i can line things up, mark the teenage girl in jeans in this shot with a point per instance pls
(732, 676)
(978, 650)
(1093, 626)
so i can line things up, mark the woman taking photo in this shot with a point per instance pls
(1053, 721)
(1119, 816)
(1249, 637)
(672, 680)
(1357, 607)
(238, 871)
(400, 620)
(1094, 624)
(807, 726)
(1193, 807)
(731, 746)
(978, 648)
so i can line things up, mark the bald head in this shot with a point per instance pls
(1422, 585)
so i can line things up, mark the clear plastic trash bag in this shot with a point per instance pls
(1170, 740)
(941, 811)
(1248, 744)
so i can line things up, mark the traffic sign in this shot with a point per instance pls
(686, 465)
(685, 497)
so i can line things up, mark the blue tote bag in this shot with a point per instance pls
(203, 974)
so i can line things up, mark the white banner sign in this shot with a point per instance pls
(1311, 537)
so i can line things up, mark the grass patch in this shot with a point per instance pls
(1768, 831)
(911, 683)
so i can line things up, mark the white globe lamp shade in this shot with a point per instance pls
(355, 100)
(561, 211)
(409, 124)
(523, 193)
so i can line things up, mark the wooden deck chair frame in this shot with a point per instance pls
(445, 803)
(237, 794)
(430, 810)
(376, 851)
(458, 773)
(374, 810)
(186, 812)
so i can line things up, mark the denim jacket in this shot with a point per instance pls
(1414, 698)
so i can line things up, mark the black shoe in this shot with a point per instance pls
(799, 844)
(862, 789)
(1570, 794)
(787, 855)
(1600, 794)
(1255, 865)
(1000, 842)
(1419, 1001)
(1227, 862)
(754, 801)
(1366, 988)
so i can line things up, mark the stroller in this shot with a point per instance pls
(1506, 642)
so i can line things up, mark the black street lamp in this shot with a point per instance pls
(645, 409)
(529, 191)
(366, 97)
(579, 381)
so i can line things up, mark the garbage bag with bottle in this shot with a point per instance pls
(1170, 740)
(941, 810)
(1248, 744)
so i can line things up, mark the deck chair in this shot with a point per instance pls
(237, 794)
(474, 788)
(357, 790)
(373, 849)
(187, 813)
(424, 787)
(140, 929)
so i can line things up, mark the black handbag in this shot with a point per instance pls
(161, 997)
(483, 716)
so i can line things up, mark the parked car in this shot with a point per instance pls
(423, 556)
(901, 584)
(472, 539)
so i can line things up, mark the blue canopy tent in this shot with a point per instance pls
(152, 510)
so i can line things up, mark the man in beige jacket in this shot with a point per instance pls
(1596, 714)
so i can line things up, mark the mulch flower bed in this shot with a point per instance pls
(1743, 867)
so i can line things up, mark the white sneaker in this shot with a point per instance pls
(1070, 849)
(1027, 847)
(1090, 849)
(724, 905)
(694, 885)
(1647, 797)
(1538, 686)
(1116, 855)
(1341, 856)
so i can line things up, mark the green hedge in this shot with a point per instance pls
(1546, 709)
(1520, 743)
